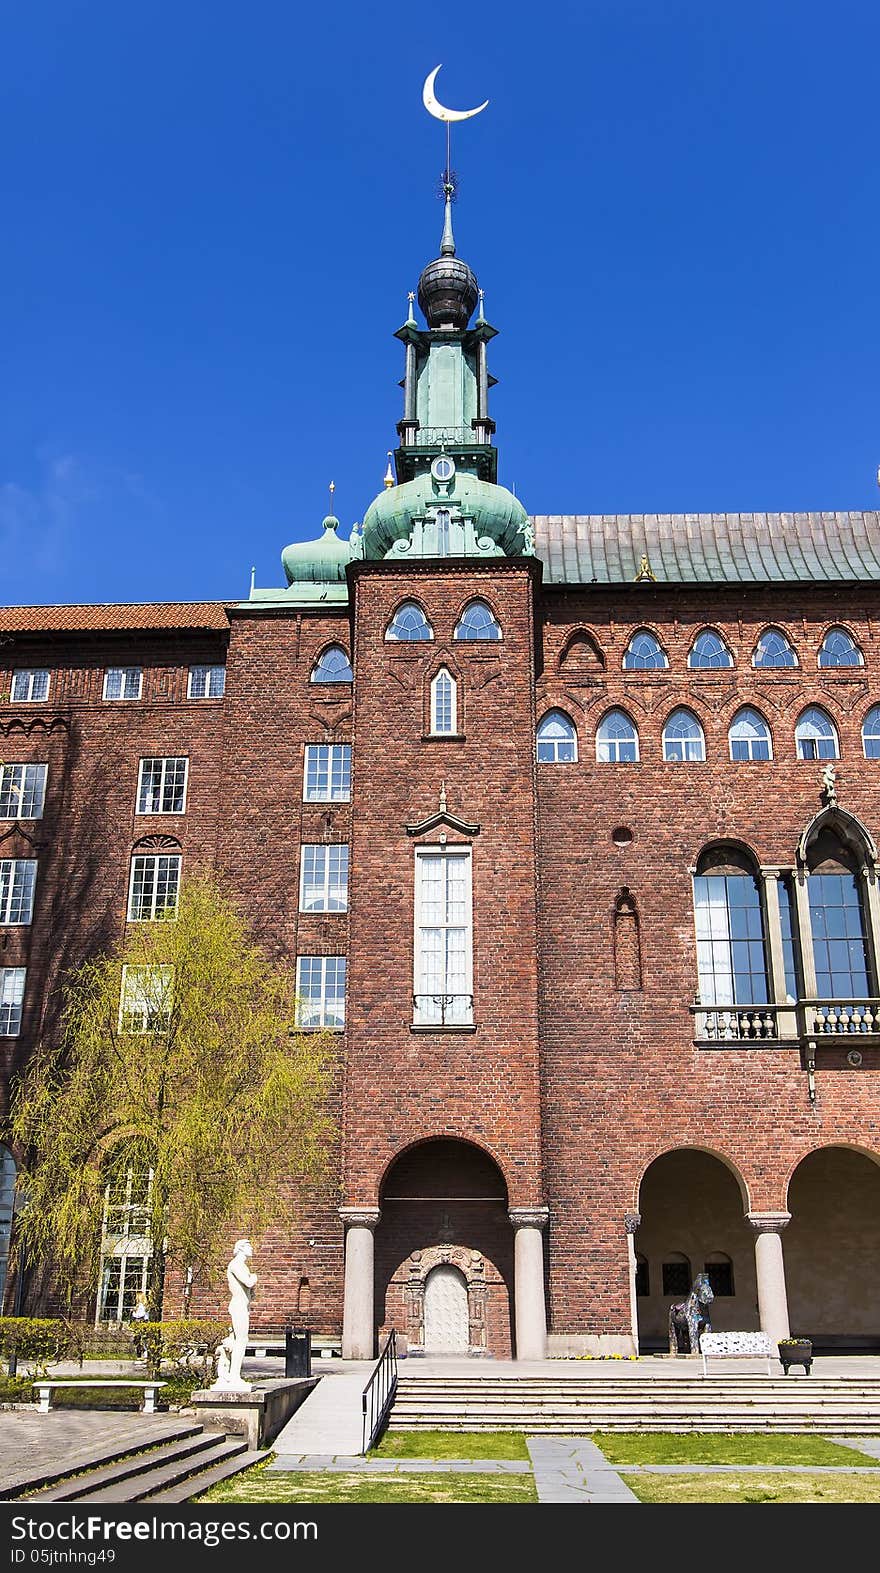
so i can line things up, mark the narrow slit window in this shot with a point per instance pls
(444, 704)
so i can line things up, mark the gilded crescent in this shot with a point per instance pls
(438, 110)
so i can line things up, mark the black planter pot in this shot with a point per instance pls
(796, 1351)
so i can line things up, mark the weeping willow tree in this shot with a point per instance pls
(179, 1062)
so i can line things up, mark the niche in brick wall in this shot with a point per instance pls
(582, 654)
(627, 942)
(303, 1297)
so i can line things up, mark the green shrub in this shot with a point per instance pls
(36, 1340)
(187, 1346)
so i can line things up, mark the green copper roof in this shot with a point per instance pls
(497, 515)
(708, 548)
(318, 562)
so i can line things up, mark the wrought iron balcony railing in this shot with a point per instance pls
(443, 1010)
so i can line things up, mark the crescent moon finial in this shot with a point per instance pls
(438, 110)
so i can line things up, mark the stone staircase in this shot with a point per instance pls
(574, 1405)
(174, 1470)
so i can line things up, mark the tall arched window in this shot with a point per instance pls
(840, 649)
(444, 703)
(749, 735)
(409, 624)
(815, 735)
(683, 737)
(731, 951)
(557, 739)
(617, 740)
(837, 919)
(644, 653)
(871, 733)
(126, 1248)
(7, 1198)
(477, 621)
(773, 650)
(709, 650)
(332, 666)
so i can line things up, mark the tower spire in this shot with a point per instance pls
(447, 244)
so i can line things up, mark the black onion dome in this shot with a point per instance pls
(447, 292)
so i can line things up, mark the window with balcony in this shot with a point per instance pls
(731, 948)
(444, 704)
(709, 651)
(443, 970)
(206, 682)
(617, 741)
(815, 735)
(30, 685)
(683, 738)
(409, 624)
(22, 791)
(123, 682)
(773, 650)
(332, 666)
(153, 886)
(557, 739)
(324, 877)
(477, 621)
(12, 981)
(327, 775)
(320, 989)
(162, 785)
(18, 878)
(749, 735)
(840, 649)
(644, 653)
(837, 920)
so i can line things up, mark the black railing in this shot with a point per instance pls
(443, 1010)
(378, 1395)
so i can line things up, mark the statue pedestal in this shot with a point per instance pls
(257, 1413)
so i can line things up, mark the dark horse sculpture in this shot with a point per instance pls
(689, 1318)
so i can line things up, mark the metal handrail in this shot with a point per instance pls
(379, 1393)
(451, 1012)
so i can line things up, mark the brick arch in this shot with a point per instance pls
(581, 635)
(458, 614)
(712, 628)
(829, 1146)
(450, 1139)
(858, 640)
(690, 1146)
(769, 627)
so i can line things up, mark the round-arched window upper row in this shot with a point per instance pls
(617, 737)
(644, 653)
(410, 624)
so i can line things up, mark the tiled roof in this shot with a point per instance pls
(708, 548)
(147, 615)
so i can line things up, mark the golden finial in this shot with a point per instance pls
(645, 571)
(389, 474)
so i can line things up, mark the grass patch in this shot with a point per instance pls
(510, 1445)
(755, 1488)
(322, 1486)
(709, 1447)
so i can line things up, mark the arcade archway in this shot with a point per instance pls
(832, 1249)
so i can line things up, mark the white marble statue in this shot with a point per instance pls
(230, 1353)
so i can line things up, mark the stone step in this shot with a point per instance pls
(165, 1472)
(586, 1425)
(187, 1489)
(126, 1468)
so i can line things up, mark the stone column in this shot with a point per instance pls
(358, 1319)
(530, 1311)
(871, 901)
(786, 1015)
(631, 1222)
(772, 1298)
(805, 933)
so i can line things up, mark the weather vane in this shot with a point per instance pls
(440, 112)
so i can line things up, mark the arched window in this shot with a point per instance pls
(719, 1271)
(7, 1198)
(708, 650)
(126, 1249)
(557, 739)
(332, 666)
(871, 733)
(676, 1272)
(815, 735)
(683, 737)
(749, 735)
(477, 621)
(617, 741)
(644, 653)
(837, 919)
(731, 953)
(444, 704)
(773, 649)
(409, 624)
(840, 649)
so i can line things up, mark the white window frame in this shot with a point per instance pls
(686, 743)
(31, 673)
(799, 740)
(330, 796)
(163, 760)
(155, 858)
(305, 1019)
(613, 744)
(16, 788)
(133, 999)
(208, 672)
(437, 730)
(429, 1004)
(10, 868)
(322, 882)
(555, 742)
(751, 758)
(125, 1245)
(125, 673)
(12, 987)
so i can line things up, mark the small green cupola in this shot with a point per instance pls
(323, 561)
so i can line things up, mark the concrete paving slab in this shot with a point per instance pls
(570, 1469)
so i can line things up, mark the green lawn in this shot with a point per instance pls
(510, 1445)
(707, 1447)
(261, 1485)
(767, 1487)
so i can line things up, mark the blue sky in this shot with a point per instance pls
(211, 216)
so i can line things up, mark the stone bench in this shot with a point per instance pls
(726, 1345)
(45, 1389)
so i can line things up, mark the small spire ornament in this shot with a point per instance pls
(389, 474)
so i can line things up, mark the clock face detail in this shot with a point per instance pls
(443, 468)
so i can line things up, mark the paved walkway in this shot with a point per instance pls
(37, 1447)
(573, 1469)
(330, 1421)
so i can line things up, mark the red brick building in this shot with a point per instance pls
(568, 826)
